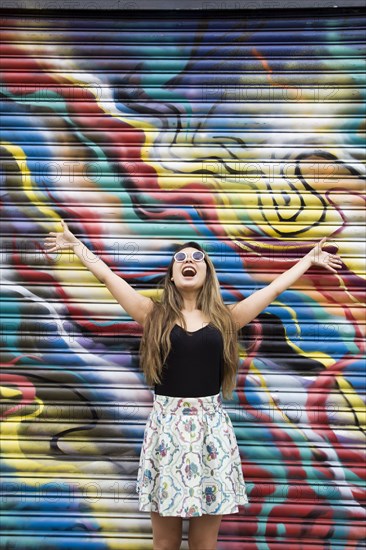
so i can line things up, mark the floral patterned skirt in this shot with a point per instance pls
(190, 462)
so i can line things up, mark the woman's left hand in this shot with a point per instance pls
(324, 259)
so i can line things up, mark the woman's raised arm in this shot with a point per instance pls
(246, 310)
(136, 305)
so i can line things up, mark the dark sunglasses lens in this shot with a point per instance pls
(198, 256)
(180, 256)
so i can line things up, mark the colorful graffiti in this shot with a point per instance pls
(242, 133)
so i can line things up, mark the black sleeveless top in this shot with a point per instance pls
(194, 365)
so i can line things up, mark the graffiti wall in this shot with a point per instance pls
(240, 131)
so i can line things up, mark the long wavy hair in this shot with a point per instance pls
(155, 342)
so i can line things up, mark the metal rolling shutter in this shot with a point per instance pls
(240, 130)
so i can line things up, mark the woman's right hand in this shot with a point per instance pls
(61, 240)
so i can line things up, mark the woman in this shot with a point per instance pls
(189, 464)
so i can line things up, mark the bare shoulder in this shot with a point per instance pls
(146, 310)
(236, 316)
(231, 309)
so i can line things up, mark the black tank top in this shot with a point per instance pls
(194, 365)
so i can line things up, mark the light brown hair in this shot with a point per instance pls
(155, 343)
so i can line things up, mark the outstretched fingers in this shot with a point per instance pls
(332, 261)
(320, 243)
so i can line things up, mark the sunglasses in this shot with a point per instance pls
(197, 256)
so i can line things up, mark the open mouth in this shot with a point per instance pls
(188, 271)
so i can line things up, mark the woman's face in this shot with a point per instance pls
(189, 274)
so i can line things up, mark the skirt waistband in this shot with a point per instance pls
(166, 404)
